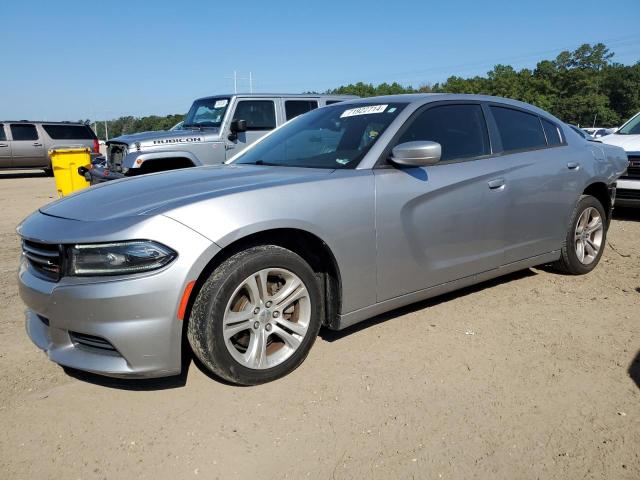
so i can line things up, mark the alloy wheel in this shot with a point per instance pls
(588, 235)
(266, 318)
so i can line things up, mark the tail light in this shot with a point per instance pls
(96, 145)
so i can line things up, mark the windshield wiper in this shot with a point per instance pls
(262, 162)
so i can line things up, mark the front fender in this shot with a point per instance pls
(136, 159)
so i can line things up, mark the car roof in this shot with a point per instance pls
(423, 98)
(282, 95)
(42, 121)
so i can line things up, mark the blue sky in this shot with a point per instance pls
(66, 60)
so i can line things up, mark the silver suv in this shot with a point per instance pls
(215, 129)
(25, 144)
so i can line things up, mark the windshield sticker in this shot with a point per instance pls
(363, 111)
(342, 161)
(391, 110)
(220, 103)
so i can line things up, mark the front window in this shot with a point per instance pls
(206, 112)
(331, 137)
(632, 127)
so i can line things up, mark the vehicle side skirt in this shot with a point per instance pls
(346, 320)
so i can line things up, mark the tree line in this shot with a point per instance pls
(584, 87)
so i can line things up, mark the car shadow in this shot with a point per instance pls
(27, 174)
(626, 214)
(133, 384)
(634, 369)
(334, 335)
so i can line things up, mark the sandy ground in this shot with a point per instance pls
(531, 376)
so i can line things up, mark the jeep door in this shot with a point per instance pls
(27, 146)
(443, 222)
(260, 115)
(5, 148)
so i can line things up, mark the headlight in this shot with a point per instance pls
(118, 258)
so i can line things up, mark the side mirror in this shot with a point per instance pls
(238, 126)
(416, 154)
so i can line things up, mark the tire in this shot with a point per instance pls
(48, 171)
(589, 212)
(232, 318)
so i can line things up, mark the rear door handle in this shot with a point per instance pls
(573, 165)
(2, 145)
(37, 144)
(496, 183)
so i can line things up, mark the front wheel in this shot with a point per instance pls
(257, 315)
(586, 238)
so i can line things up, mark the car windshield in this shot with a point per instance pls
(632, 127)
(332, 137)
(206, 112)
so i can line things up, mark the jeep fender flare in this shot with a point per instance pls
(136, 159)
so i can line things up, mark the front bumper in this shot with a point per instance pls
(628, 193)
(130, 322)
(99, 174)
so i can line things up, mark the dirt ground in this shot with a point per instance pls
(533, 376)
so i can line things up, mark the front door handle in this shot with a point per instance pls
(2, 145)
(37, 144)
(573, 165)
(496, 183)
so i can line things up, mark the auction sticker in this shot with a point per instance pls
(220, 103)
(363, 111)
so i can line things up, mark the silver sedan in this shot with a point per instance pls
(337, 216)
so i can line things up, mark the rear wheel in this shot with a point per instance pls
(586, 238)
(257, 316)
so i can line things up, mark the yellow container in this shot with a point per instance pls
(65, 162)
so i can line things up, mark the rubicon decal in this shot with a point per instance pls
(178, 140)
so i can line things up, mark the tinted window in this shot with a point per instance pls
(23, 131)
(518, 130)
(459, 129)
(69, 132)
(331, 102)
(3, 136)
(293, 108)
(552, 133)
(259, 114)
(331, 137)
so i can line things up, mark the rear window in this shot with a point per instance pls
(23, 131)
(552, 133)
(331, 102)
(69, 132)
(3, 136)
(293, 108)
(518, 130)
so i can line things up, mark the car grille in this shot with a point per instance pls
(624, 194)
(633, 171)
(115, 156)
(91, 342)
(44, 258)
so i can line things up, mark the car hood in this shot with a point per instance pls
(162, 136)
(159, 192)
(630, 143)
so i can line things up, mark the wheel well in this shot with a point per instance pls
(311, 248)
(162, 164)
(601, 192)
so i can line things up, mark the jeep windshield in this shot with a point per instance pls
(206, 112)
(632, 127)
(332, 137)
